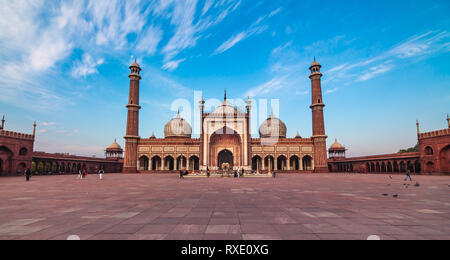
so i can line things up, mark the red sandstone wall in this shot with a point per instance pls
(12, 162)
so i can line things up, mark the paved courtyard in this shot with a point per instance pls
(165, 207)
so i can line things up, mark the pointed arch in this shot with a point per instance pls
(307, 163)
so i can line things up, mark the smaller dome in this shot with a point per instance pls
(178, 128)
(114, 146)
(315, 64)
(135, 64)
(269, 128)
(153, 136)
(298, 136)
(337, 146)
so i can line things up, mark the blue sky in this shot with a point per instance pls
(65, 64)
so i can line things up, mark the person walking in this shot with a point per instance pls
(28, 174)
(181, 175)
(408, 176)
(100, 174)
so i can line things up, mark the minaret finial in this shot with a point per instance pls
(34, 128)
(3, 123)
(225, 95)
(418, 127)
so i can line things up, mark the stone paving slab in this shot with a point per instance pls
(163, 207)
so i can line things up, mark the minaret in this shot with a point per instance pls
(319, 137)
(202, 126)
(3, 123)
(132, 136)
(448, 121)
(418, 127)
(34, 129)
(249, 130)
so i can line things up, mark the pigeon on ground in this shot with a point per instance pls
(385, 195)
(395, 196)
(417, 184)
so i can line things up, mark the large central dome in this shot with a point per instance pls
(178, 128)
(273, 127)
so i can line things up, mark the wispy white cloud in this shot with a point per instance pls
(47, 124)
(286, 65)
(375, 70)
(417, 47)
(87, 66)
(330, 91)
(150, 40)
(231, 42)
(188, 29)
(172, 65)
(37, 37)
(257, 27)
(268, 87)
(275, 12)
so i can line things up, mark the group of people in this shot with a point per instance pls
(83, 174)
(239, 173)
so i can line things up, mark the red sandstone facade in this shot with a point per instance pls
(16, 151)
(46, 163)
(16, 156)
(433, 157)
(225, 139)
(434, 150)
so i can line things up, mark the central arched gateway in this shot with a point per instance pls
(225, 157)
(225, 147)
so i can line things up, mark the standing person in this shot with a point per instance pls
(80, 174)
(181, 175)
(274, 175)
(408, 176)
(85, 174)
(28, 174)
(239, 173)
(207, 172)
(101, 174)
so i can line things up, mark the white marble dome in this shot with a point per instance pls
(178, 128)
(273, 127)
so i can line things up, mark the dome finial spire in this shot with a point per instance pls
(225, 95)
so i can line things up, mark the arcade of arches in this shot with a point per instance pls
(43, 163)
(169, 163)
(282, 163)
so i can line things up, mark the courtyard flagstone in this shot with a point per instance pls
(291, 207)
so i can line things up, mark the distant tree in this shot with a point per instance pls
(410, 150)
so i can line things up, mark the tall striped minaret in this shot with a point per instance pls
(132, 136)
